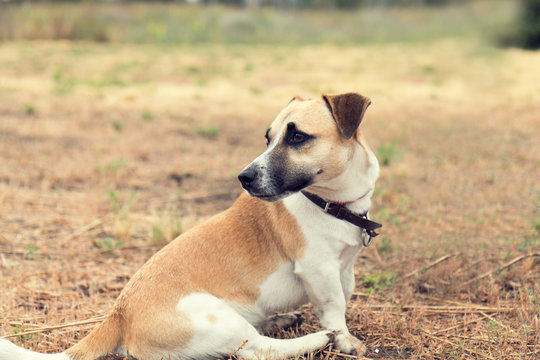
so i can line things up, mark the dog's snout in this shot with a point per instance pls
(247, 177)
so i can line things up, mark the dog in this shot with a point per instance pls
(292, 239)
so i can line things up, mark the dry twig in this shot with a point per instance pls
(83, 229)
(339, 354)
(465, 323)
(496, 321)
(54, 327)
(471, 351)
(443, 309)
(240, 347)
(429, 266)
(505, 266)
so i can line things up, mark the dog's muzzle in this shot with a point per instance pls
(271, 184)
(247, 178)
(259, 185)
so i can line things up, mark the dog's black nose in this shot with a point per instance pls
(247, 177)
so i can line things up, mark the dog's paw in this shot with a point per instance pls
(331, 337)
(348, 344)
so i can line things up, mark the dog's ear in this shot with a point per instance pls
(347, 110)
(296, 98)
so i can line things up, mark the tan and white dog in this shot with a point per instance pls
(209, 292)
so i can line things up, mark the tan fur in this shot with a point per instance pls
(313, 118)
(296, 98)
(103, 338)
(362, 141)
(212, 318)
(252, 237)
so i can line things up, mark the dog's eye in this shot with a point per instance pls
(267, 137)
(298, 138)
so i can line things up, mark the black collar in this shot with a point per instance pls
(341, 212)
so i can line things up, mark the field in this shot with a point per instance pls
(109, 150)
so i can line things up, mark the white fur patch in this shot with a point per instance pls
(213, 336)
(10, 351)
(228, 332)
(281, 291)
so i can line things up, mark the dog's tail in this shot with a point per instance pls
(10, 351)
(105, 338)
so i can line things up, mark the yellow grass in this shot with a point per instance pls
(172, 126)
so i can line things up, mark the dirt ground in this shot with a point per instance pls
(108, 151)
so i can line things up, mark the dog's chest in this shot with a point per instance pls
(323, 231)
(327, 239)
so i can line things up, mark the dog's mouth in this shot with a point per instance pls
(304, 183)
(282, 194)
(270, 198)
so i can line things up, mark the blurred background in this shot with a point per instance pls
(284, 22)
(123, 124)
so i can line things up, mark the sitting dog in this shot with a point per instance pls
(293, 240)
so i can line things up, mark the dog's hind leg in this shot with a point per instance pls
(218, 329)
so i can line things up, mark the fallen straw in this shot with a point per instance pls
(505, 266)
(429, 266)
(471, 351)
(54, 327)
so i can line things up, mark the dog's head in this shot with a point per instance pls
(310, 144)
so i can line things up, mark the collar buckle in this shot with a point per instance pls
(327, 207)
(341, 212)
(370, 234)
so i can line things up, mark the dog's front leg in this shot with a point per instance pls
(323, 286)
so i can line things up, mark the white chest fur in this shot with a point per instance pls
(328, 240)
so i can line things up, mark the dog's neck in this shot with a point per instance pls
(354, 187)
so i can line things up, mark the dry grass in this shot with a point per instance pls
(97, 142)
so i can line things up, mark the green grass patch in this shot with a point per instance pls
(378, 280)
(147, 115)
(210, 131)
(193, 70)
(112, 166)
(121, 206)
(63, 84)
(29, 109)
(22, 338)
(115, 165)
(388, 152)
(117, 125)
(529, 242)
(32, 252)
(108, 244)
(384, 246)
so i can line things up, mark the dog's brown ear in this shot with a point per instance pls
(347, 110)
